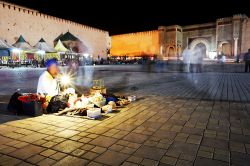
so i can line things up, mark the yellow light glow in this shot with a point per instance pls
(135, 44)
(65, 80)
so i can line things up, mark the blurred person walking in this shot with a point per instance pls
(223, 61)
(199, 63)
(186, 59)
(194, 62)
(247, 61)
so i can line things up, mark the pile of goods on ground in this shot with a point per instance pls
(91, 106)
(70, 103)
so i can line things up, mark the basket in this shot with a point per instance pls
(98, 84)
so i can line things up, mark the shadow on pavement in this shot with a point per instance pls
(4, 118)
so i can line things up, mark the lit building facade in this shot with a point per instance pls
(230, 36)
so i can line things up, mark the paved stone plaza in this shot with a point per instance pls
(178, 119)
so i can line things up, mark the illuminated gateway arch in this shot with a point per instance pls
(230, 36)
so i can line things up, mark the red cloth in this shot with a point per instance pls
(30, 56)
(31, 97)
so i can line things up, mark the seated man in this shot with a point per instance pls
(48, 83)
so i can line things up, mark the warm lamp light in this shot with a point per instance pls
(16, 50)
(65, 80)
(41, 52)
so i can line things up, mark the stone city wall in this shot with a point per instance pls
(17, 20)
(135, 44)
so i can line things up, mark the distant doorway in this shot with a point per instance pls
(226, 49)
(171, 52)
(202, 45)
(201, 50)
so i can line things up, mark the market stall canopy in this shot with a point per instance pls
(68, 37)
(5, 45)
(42, 45)
(22, 44)
(60, 47)
(81, 48)
(58, 38)
(71, 42)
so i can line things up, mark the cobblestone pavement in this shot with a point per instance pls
(205, 86)
(180, 119)
(152, 131)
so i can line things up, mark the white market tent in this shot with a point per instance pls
(5, 45)
(42, 45)
(23, 45)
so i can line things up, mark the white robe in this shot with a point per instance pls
(47, 85)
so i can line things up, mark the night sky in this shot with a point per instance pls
(124, 16)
